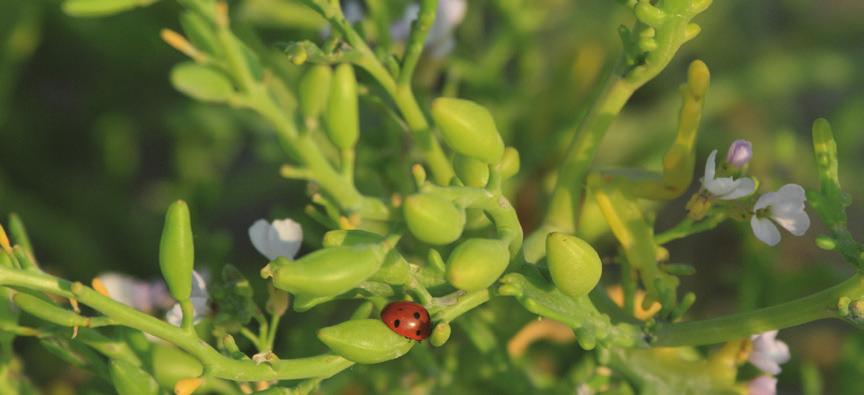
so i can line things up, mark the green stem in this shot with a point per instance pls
(188, 309)
(817, 306)
(216, 364)
(463, 304)
(274, 327)
(687, 227)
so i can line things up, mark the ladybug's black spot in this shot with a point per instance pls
(396, 324)
(418, 333)
(416, 315)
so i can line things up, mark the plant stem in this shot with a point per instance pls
(800, 311)
(687, 227)
(216, 364)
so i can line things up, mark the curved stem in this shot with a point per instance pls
(216, 364)
(809, 308)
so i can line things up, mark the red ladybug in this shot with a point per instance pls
(408, 319)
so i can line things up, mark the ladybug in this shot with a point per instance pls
(408, 319)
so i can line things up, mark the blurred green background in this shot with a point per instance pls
(94, 143)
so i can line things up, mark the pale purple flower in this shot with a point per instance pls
(725, 188)
(786, 208)
(141, 295)
(439, 41)
(280, 238)
(762, 385)
(768, 352)
(199, 298)
(740, 152)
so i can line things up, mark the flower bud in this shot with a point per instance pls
(201, 82)
(365, 341)
(476, 263)
(740, 152)
(342, 114)
(327, 272)
(468, 128)
(472, 172)
(177, 252)
(433, 219)
(129, 379)
(573, 264)
(314, 90)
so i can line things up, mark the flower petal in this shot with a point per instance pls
(199, 285)
(289, 237)
(720, 186)
(128, 290)
(765, 230)
(796, 223)
(767, 199)
(742, 187)
(762, 385)
(792, 192)
(710, 168)
(258, 235)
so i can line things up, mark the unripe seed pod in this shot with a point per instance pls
(177, 252)
(171, 364)
(440, 334)
(327, 272)
(509, 163)
(201, 82)
(433, 219)
(395, 268)
(472, 172)
(343, 237)
(342, 115)
(48, 311)
(468, 128)
(365, 341)
(573, 264)
(129, 379)
(314, 90)
(476, 263)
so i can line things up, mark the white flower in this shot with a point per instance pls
(281, 238)
(762, 385)
(785, 207)
(439, 41)
(141, 295)
(768, 352)
(199, 298)
(725, 188)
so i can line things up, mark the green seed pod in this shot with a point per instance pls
(48, 311)
(472, 172)
(94, 8)
(304, 302)
(171, 364)
(476, 263)
(433, 219)
(342, 237)
(129, 379)
(468, 128)
(314, 90)
(573, 264)
(509, 163)
(342, 114)
(394, 270)
(327, 272)
(365, 341)
(176, 251)
(201, 82)
(440, 334)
